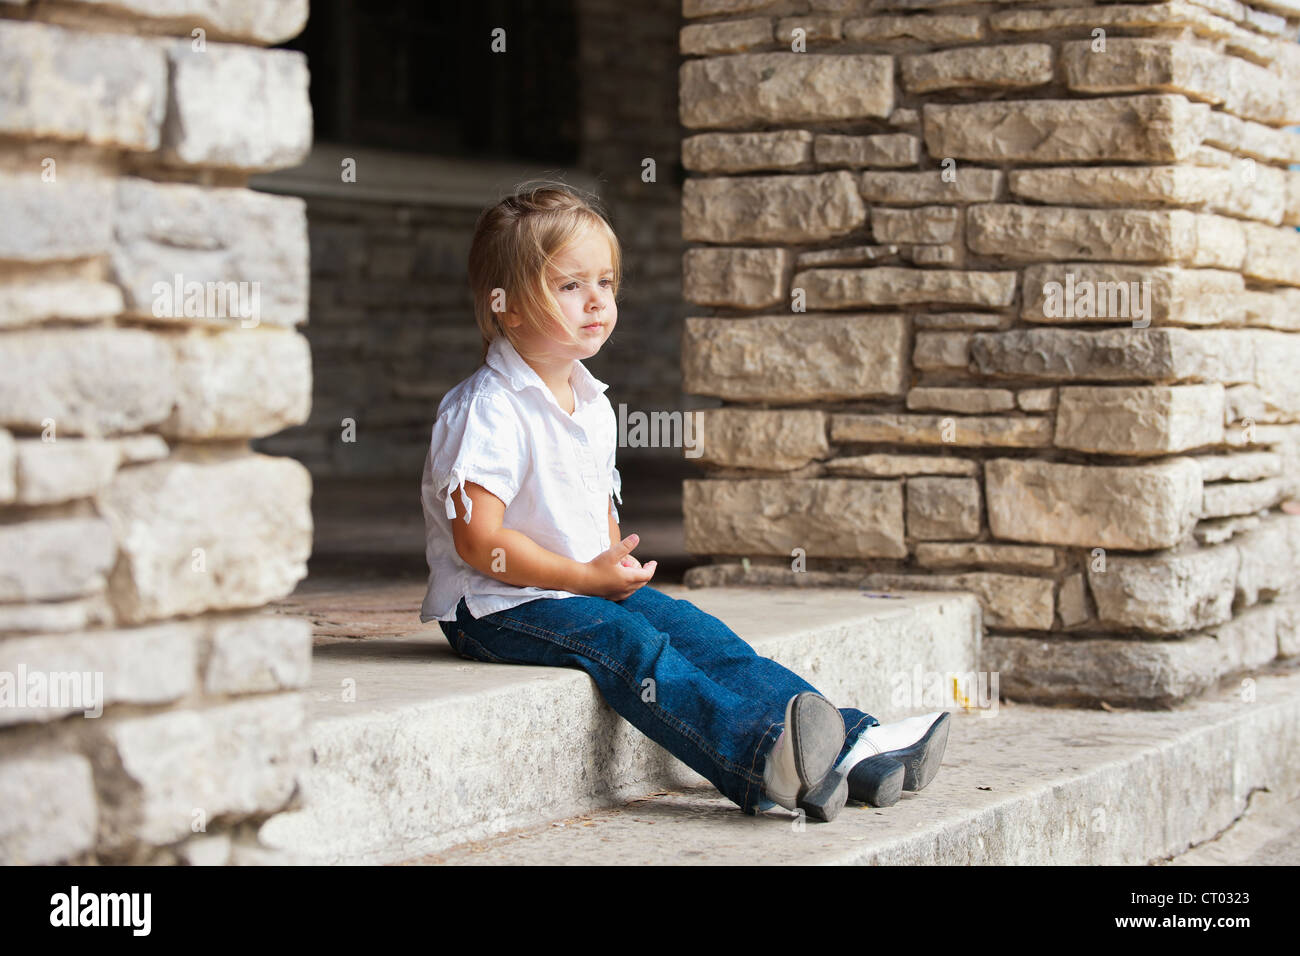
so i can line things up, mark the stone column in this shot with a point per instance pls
(1006, 301)
(148, 312)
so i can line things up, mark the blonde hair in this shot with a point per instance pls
(514, 244)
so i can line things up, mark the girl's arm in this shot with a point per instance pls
(513, 557)
(614, 533)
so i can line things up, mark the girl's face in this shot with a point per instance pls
(582, 281)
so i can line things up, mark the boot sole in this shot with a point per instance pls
(817, 732)
(922, 759)
(877, 781)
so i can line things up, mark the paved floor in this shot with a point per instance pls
(1037, 784)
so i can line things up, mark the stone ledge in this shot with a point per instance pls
(414, 764)
(1030, 786)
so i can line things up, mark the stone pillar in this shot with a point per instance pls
(148, 312)
(1007, 301)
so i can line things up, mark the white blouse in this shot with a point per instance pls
(502, 428)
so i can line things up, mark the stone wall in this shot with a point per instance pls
(1005, 298)
(148, 313)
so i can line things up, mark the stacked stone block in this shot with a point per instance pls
(139, 534)
(1005, 298)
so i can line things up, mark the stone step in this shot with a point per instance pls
(436, 750)
(1025, 785)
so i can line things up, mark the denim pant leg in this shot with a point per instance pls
(722, 654)
(719, 733)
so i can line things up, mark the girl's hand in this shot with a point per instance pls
(615, 574)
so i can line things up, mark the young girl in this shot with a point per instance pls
(527, 563)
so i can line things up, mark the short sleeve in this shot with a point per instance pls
(480, 440)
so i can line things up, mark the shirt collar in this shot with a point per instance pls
(505, 358)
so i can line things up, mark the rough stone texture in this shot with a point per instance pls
(231, 106)
(882, 149)
(1159, 128)
(946, 554)
(771, 440)
(771, 208)
(1259, 193)
(1122, 672)
(55, 616)
(961, 430)
(961, 320)
(214, 237)
(747, 152)
(1072, 601)
(105, 89)
(66, 219)
(1006, 600)
(968, 400)
(47, 560)
(231, 761)
(1242, 466)
(1272, 254)
(238, 383)
(1035, 233)
(1140, 420)
(1251, 139)
(923, 28)
(1137, 507)
(64, 469)
(882, 465)
(733, 36)
(782, 88)
(74, 300)
(196, 536)
(918, 224)
(8, 467)
(1115, 354)
(258, 653)
(1137, 64)
(50, 809)
(1166, 593)
(942, 508)
(1036, 399)
(1270, 559)
(1010, 66)
(833, 518)
(735, 278)
(1158, 295)
(1241, 497)
(967, 184)
(889, 285)
(90, 382)
(709, 8)
(800, 358)
(941, 350)
(149, 665)
(224, 19)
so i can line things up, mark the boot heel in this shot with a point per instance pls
(877, 781)
(825, 800)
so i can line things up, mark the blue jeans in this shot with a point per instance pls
(677, 674)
